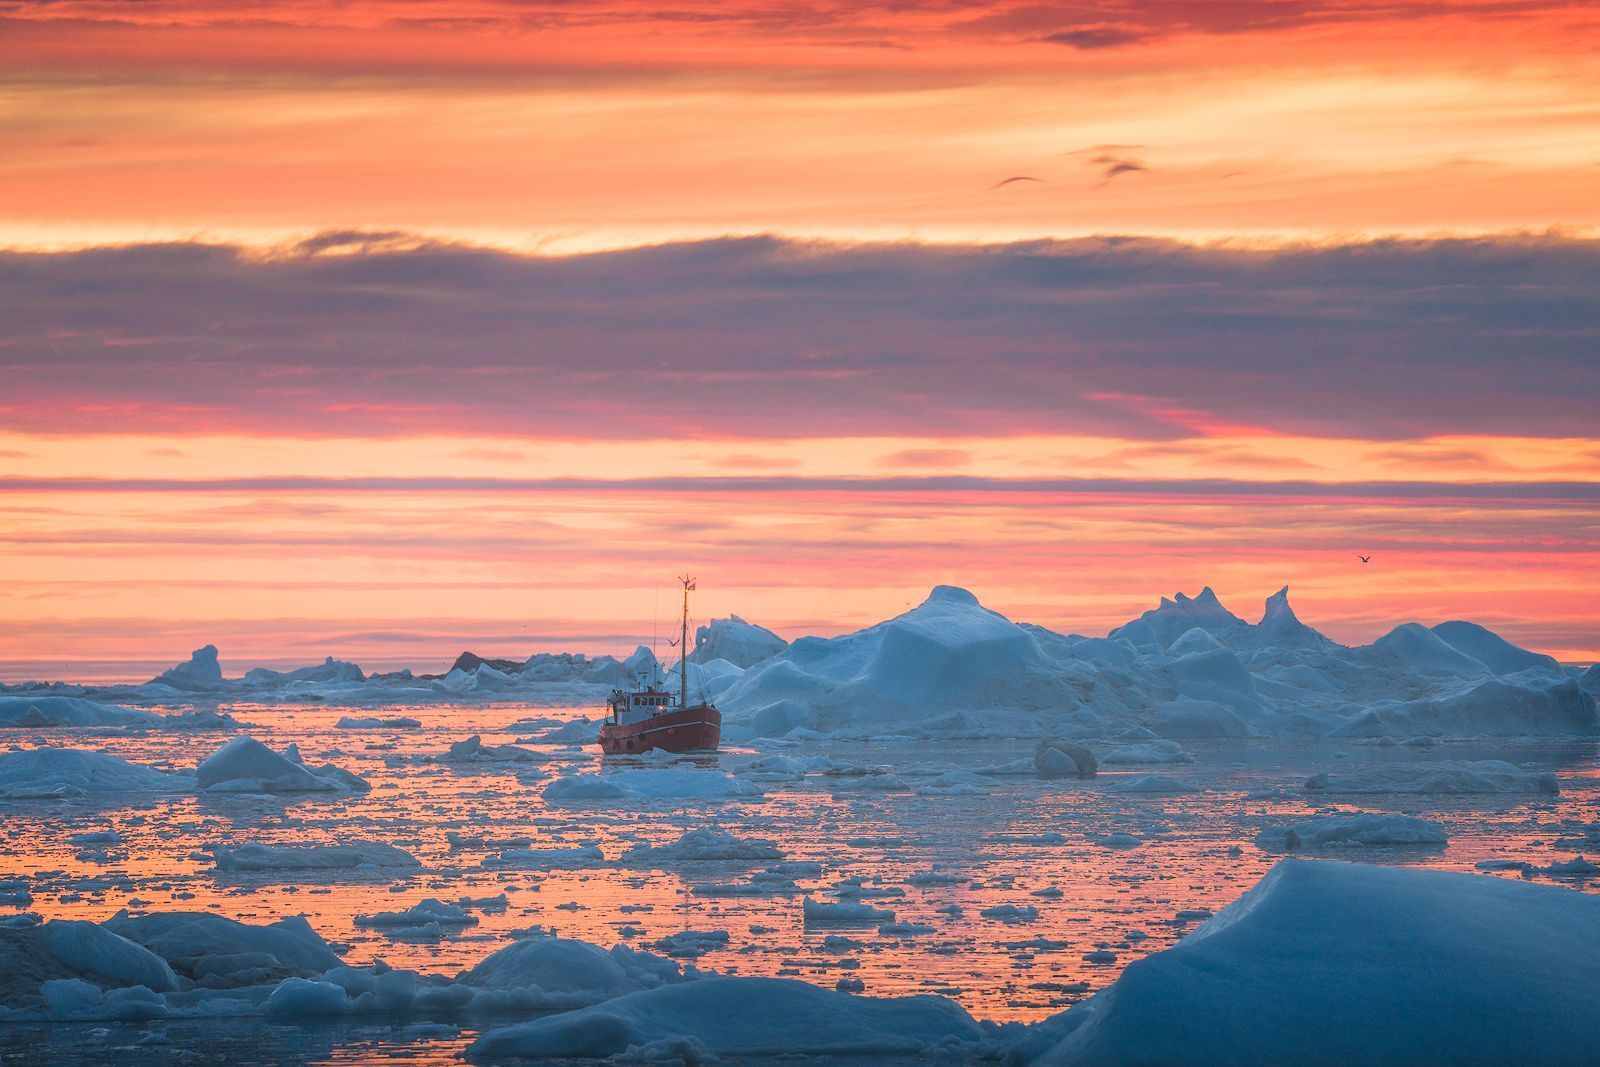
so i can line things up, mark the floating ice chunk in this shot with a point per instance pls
(1120, 839)
(692, 944)
(1577, 867)
(1412, 966)
(1443, 777)
(421, 913)
(954, 784)
(788, 766)
(397, 723)
(200, 674)
(216, 952)
(1144, 753)
(304, 998)
(96, 952)
(1152, 783)
(474, 750)
(649, 783)
(245, 765)
(1011, 913)
(575, 970)
(290, 859)
(330, 670)
(583, 789)
(575, 732)
(1341, 831)
(45, 773)
(821, 911)
(73, 998)
(703, 845)
(1056, 758)
(745, 1017)
(41, 712)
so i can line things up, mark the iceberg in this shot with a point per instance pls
(245, 765)
(1361, 830)
(740, 643)
(49, 773)
(739, 1017)
(201, 674)
(1326, 963)
(1443, 777)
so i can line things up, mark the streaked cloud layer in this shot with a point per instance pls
(1137, 339)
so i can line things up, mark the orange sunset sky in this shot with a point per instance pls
(389, 328)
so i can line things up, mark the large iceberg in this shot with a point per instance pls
(740, 643)
(948, 652)
(1338, 963)
(1189, 668)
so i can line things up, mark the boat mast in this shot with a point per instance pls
(683, 644)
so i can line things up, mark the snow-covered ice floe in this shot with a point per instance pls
(294, 860)
(53, 773)
(1442, 777)
(647, 784)
(739, 1017)
(1359, 830)
(706, 844)
(245, 765)
(1326, 963)
(47, 712)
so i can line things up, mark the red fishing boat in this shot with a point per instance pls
(642, 719)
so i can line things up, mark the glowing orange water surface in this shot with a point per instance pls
(1015, 840)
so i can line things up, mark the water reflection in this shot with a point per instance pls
(1017, 896)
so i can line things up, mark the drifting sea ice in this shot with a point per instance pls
(1341, 831)
(1444, 777)
(50, 773)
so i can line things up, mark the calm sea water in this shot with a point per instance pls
(1022, 841)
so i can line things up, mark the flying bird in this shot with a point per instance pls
(1364, 559)
(1017, 178)
(1112, 166)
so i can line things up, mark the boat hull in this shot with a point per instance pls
(695, 729)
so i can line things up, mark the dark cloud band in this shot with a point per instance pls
(760, 337)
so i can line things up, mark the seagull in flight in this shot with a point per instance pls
(1364, 559)
(1018, 178)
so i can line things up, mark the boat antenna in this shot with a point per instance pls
(655, 627)
(683, 643)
